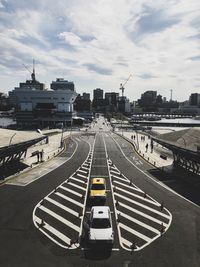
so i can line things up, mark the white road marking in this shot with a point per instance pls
(75, 179)
(154, 230)
(119, 178)
(137, 196)
(126, 242)
(82, 171)
(128, 186)
(58, 204)
(55, 232)
(69, 199)
(77, 186)
(69, 190)
(82, 176)
(143, 206)
(85, 168)
(134, 232)
(142, 214)
(116, 172)
(60, 218)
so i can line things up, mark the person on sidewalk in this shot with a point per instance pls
(147, 147)
(151, 146)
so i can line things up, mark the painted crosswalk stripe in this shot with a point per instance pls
(52, 230)
(77, 186)
(60, 218)
(85, 168)
(82, 171)
(139, 223)
(75, 179)
(134, 232)
(143, 206)
(81, 175)
(119, 178)
(69, 199)
(114, 171)
(56, 203)
(128, 186)
(137, 196)
(142, 214)
(71, 191)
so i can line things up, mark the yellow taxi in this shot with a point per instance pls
(98, 188)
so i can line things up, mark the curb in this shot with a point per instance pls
(3, 181)
(134, 146)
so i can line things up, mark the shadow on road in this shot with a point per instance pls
(181, 181)
(11, 168)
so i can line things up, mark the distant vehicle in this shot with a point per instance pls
(100, 227)
(100, 128)
(98, 188)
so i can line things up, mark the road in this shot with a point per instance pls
(43, 222)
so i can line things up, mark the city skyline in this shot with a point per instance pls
(98, 44)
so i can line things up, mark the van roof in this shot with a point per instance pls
(100, 212)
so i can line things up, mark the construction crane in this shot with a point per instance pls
(33, 72)
(122, 85)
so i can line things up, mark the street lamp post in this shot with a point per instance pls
(12, 138)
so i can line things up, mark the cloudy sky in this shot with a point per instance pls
(99, 43)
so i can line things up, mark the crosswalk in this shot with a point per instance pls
(60, 214)
(140, 218)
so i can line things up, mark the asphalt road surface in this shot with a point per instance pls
(45, 222)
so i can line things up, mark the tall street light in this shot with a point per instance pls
(12, 138)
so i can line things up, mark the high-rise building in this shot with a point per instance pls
(86, 96)
(194, 99)
(42, 108)
(97, 93)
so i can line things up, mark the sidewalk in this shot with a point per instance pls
(157, 155)
(50, 151)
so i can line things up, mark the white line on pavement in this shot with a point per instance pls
(128, 186)
(55, 232)
(58, 204)
(69, 199)
(60, 218)
(134, 232)
(154, 230)
(75, 179)
(137, 196)
(77, 186)
(143, 206)
(142, 214)
(69, 190)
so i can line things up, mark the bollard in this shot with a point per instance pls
(42, 223)
(161, 205)
(116, 203)
(133, 246)
(154, 163)
(145, 194)
(162, 229)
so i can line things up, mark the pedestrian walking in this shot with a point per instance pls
(147, 147)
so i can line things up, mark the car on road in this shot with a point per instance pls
(100, 225)
(98, 189)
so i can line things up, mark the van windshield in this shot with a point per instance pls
(100, 223)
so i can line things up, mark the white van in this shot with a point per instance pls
(100, 228)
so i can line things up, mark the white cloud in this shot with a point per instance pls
(106, 40)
